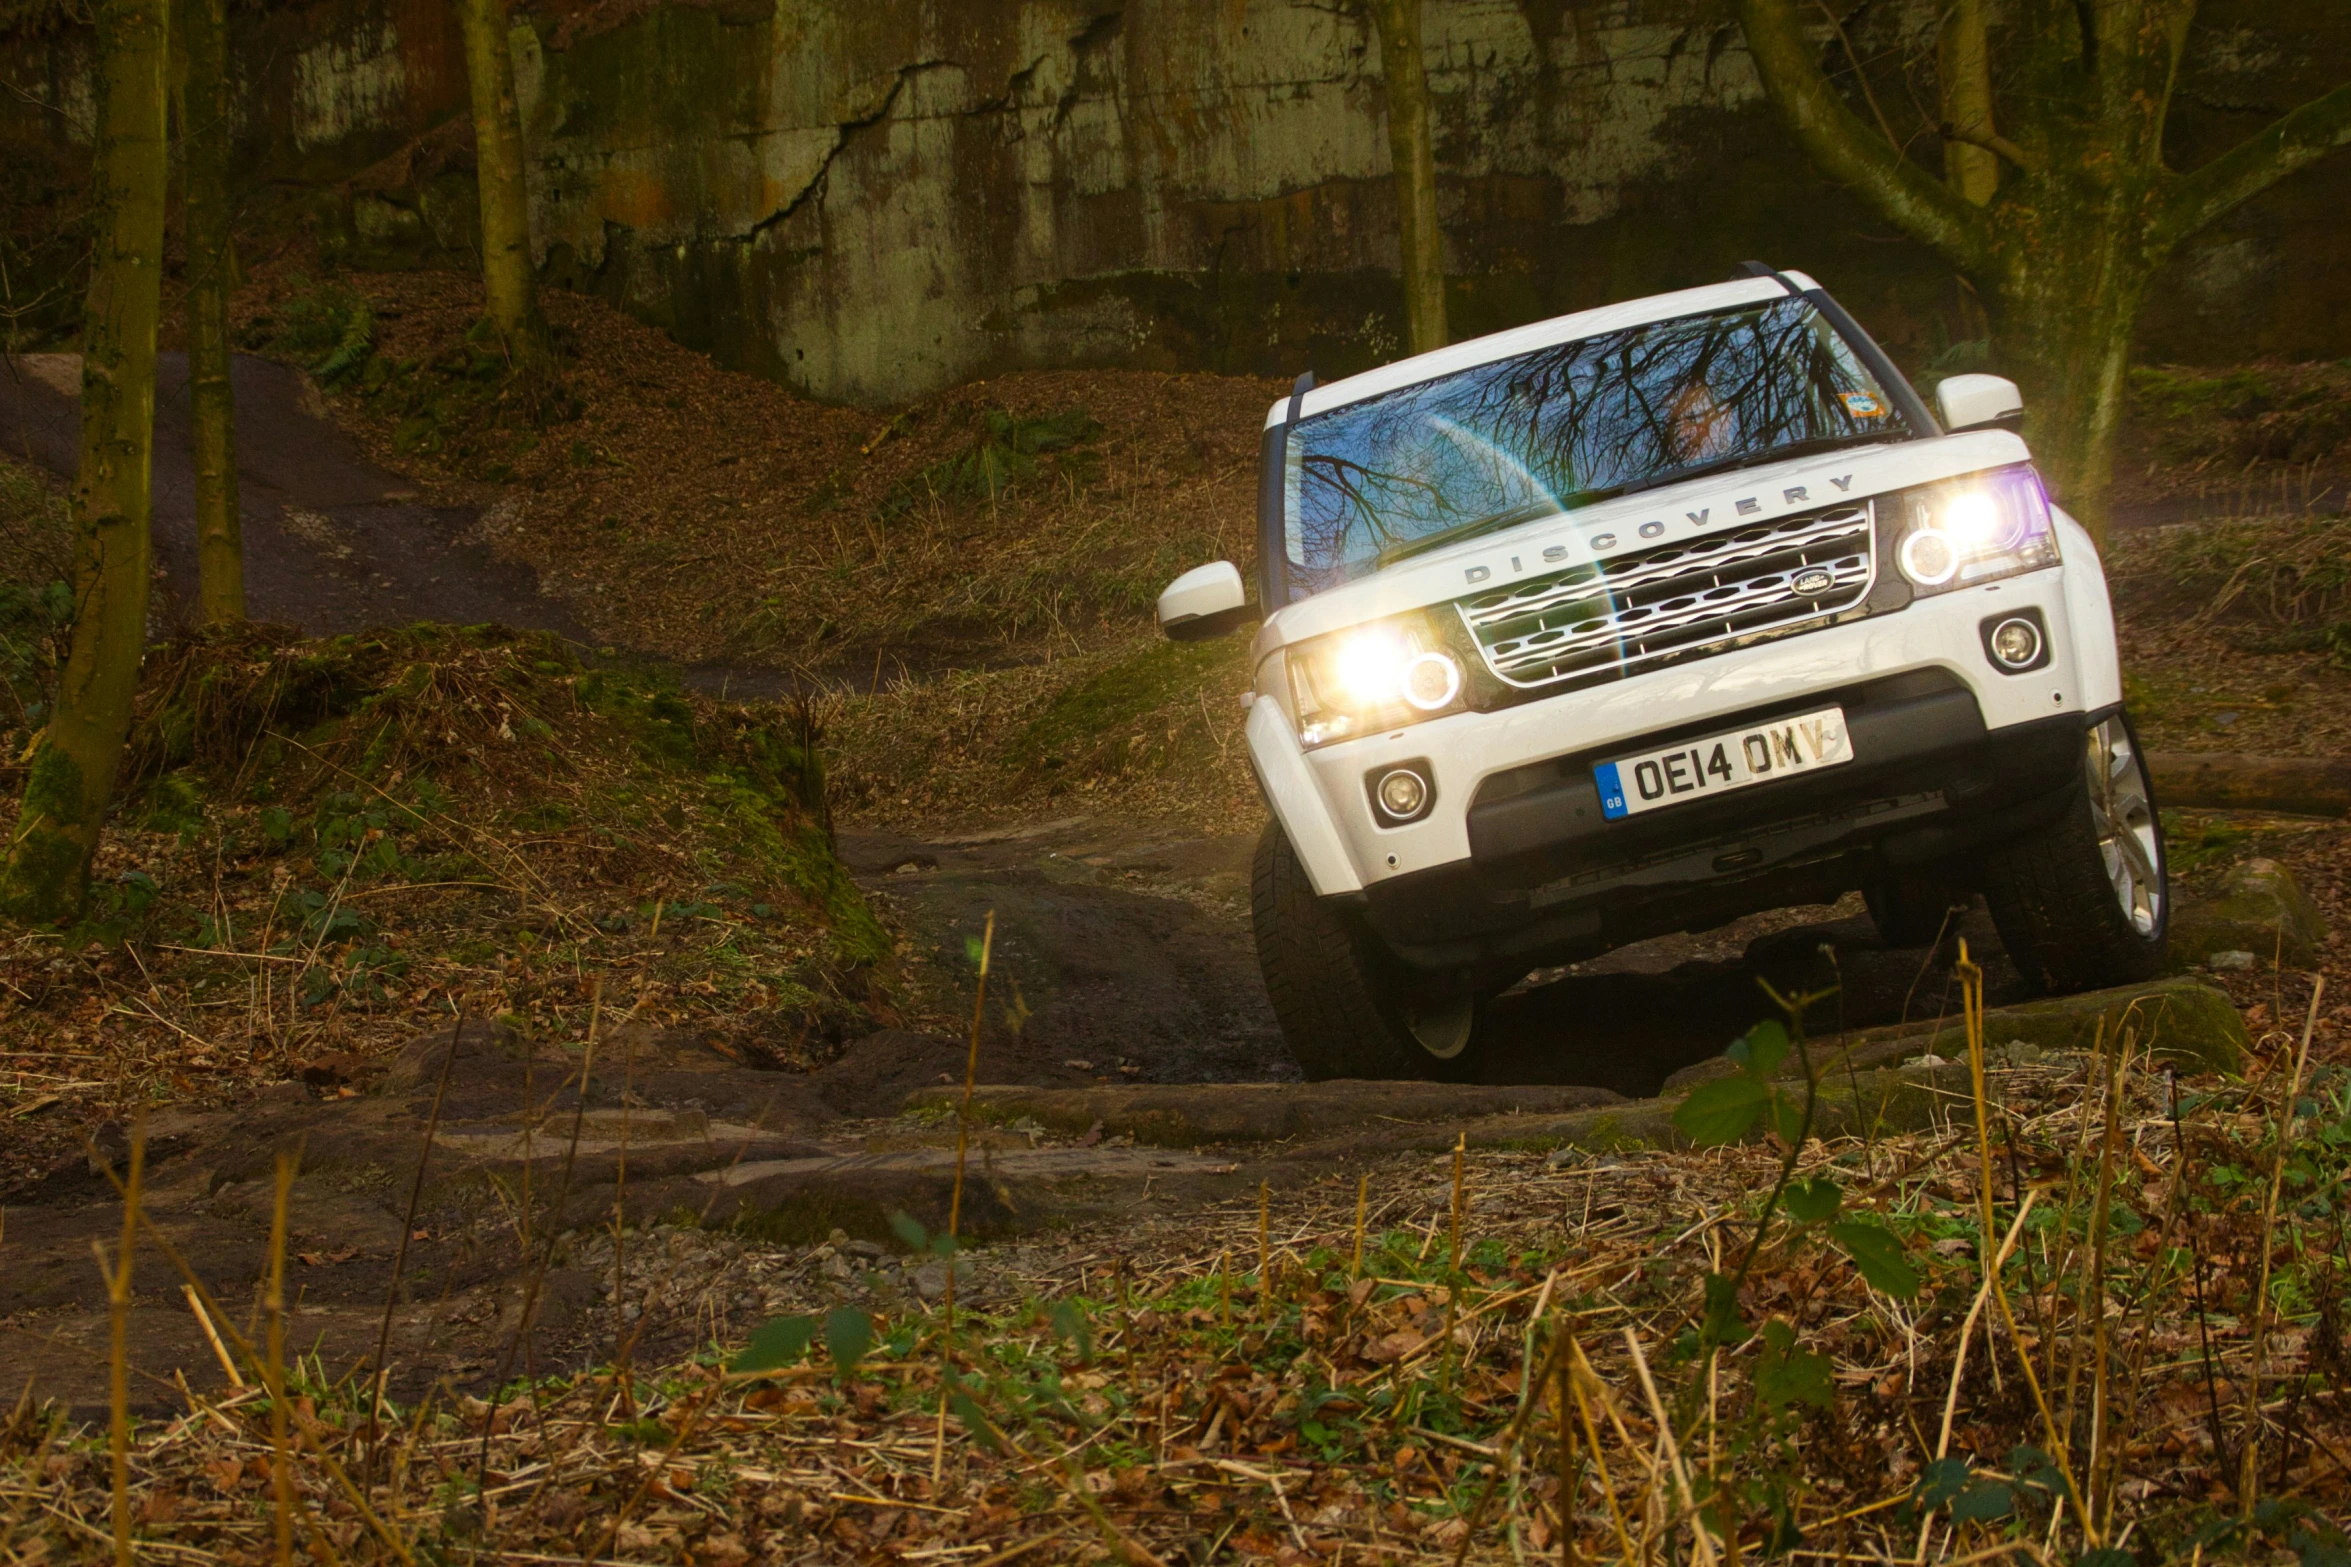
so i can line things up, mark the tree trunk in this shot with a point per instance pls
(1963, 63)
(2062, 331)
(74, 761)
(1412, 153)
(508, 281)
(204, 133)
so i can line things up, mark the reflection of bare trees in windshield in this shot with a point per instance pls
(1353, 501)
(1569, 424)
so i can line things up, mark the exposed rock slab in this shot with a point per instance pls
(1189, 1115)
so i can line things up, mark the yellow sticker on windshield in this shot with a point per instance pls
(1863, 405)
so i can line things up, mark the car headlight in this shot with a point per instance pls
(1378, 676)
(1974, 529)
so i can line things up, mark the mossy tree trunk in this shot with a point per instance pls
(508, 282)
(2085, 210)
(1963, 65)
(204, 160)
(73, 764)
(1412, 153)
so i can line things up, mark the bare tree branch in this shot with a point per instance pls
(2204, 196)
(1848, 151)
(1853, 58)
(1990, 142)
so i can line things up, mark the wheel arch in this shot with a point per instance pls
(1296, 801)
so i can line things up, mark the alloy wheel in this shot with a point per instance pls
(2123, 815)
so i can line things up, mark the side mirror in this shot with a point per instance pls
(1205, 602)
(1975, 402)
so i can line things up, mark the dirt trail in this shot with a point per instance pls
(333, 543)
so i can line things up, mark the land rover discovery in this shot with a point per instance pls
(1652, 616)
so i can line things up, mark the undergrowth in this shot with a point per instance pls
(2231, 419)
(48, 213)
(703, 514)
(1004, 452)
(325, 845)
(1157, 723)
(2279, 583)
(467, 403)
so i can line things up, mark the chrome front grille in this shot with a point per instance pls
(1612, 618)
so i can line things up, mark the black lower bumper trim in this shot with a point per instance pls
(1548, 874)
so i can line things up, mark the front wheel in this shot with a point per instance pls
(2083, 903)
(1337, 994)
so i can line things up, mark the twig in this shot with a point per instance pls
(220, 1351)
(274, 1370)
(1972, 1002)
(118, 1349)
(971, 1072)
(1699, 1539)
(2249, 1461)
(554, 1227)
(1967, 1328)
(383, 1371)
(1584, 1373)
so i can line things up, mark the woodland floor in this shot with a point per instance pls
(961, 592)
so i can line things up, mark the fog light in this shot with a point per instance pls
(1403, 793)
(2016, 642)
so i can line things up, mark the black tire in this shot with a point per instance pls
(1914, 911)
(2083, 903)
(1328, 978)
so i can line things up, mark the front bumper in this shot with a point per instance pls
(1549, 878)
(1950, 753)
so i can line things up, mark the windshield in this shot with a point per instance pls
(1545, 432)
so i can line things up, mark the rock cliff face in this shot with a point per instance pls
(873, 198)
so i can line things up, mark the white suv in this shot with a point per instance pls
(1648, 617)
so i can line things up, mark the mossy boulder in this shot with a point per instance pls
(2185, 1022)
(2260, 909)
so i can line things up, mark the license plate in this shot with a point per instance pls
(1731, 760)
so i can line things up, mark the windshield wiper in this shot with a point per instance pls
(1532, 512)
(1803, 448)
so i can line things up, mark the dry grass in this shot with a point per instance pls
(1157, 1398)
(1150, 729)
